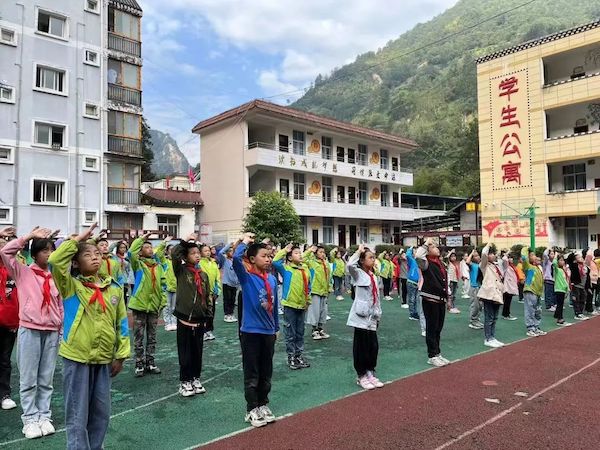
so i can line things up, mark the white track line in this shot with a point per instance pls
(518, 405)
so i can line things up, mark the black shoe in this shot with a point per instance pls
(300, 361)
(151, 368)
(293, 363)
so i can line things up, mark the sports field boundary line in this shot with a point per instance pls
(128, 411)
(515, 407)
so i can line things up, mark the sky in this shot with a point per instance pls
(202, 57)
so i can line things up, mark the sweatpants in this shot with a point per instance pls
(168, 316)
(533, 315)
(257, 362)
(365, 349)
(452, 296)
(589, 300)
(317, 311)
(144, 324)
(578, 296)
(338, 285)
(490, 314)
(387, 284)
(7, 342)
(210, 321)
(435, 313)
(560, 303)
(549, 294)
(293, 322)
(403, 282)
(190, 343)
(87, 404)
(36, 358)
(475, 306)
(229, 294)
(507, 298)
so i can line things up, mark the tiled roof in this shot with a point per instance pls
(130, 6)
(540, 41)
(292, 113)
(175, 196)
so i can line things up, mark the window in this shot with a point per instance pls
(92, 6)
(6, 215)
(49, 192)
(170, 224)
(327, 189)
(8, 36)
(340, 154)
(326, 148)
(90, 163)
(6, 155)
(303, 226)
(284, 187)
(90, 110)
(299, 186)
(385, 195)
(576, 232)
(351, 156)
(123, 74)
(341, 194)
(328, 230)
(124, 124)
(351, 195)
(123, 175)
(386, 233)
(52, 24)
(574, 177)
(298, 142)
(7, 94)
(363, 232)
(125, 221)
(91, 57)
(284, 143)
(90, 217)
(395, 164)
(362, 155)
(50, 135)
(50, 80)
(362, 192)
(384, 159)
(124, 24)
(395, 199)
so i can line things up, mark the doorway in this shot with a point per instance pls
(342, 236)
(315, 237)
(352, 235)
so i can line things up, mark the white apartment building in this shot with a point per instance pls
(344, 181)
(59, 107)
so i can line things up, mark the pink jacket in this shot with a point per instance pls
(33, 313)
(589, 261)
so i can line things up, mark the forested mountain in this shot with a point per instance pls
(430, 94)
(168, 159)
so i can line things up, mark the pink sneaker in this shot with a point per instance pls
(374, 380)
(365, 383)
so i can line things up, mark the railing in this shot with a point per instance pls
(124, 94)
(123, 196)
(125, 146)
(123, 44)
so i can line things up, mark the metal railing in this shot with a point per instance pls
(123, 196)
(125, 146)
(123, 44)
(124, 94)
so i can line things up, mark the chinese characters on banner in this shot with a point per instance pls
(510, 131)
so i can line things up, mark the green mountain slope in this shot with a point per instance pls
(430, 95)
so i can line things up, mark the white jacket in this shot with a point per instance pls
(492, 287)
(365, 312)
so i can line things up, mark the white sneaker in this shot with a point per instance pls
(581, 317)
(475, 326)
(374, 380)
(32, 430)
(511, 318)
(209, 336)
(328, 318)
(267, 414)
(540, 332)
(365, 383)
(436, 362)
(255, 418)
(423, 333)
(46, 427)
(324, 335)
(595, 313)
(8, 403)
(171, 327)
(339, 298)
(197, 386)
(316, 335)
(186, 389)
(404, 306)
(531, 333)
(492, 343)
(445, 360)
(454, 311)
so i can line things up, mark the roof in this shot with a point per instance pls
(292, 113)
(174, 196)
(130, 6)
(540, 41)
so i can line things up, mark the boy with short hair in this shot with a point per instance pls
(320, 274)
(110, 266)
(532, 292)
(338, 271)
(231, 285)
(475, 308)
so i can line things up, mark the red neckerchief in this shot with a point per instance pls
(581, 271)
(3, 279)
(435, 260)
(374, 288)
(97, 297)
(498, 272)
(152, 268)
(324, 268)
(456, 269)
(304, 280)
(265, 277)
(107, 259)
(47, 276)
(197, 279)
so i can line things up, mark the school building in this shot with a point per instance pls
(539, 138)
(344, 181)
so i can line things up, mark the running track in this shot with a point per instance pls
(446, 407)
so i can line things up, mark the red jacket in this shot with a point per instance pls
(9, 303)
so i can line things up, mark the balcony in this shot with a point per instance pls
(573, 120)
(573, 203)
(123, 196)
(124, 45)
(267, 155)
(125, 146)
(124, 94)
(571, 65)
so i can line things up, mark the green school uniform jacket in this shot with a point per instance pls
(211, 268)
(561, 284)
(170, 278)
(386, 269)
(321, 274)
(92, 335)
(534, 279)
(148, 294)
(110, 267)
(293, 294)
(339, 267)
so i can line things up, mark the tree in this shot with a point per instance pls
(273, 216)
(147, 173)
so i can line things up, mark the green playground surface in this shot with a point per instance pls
(148, 412)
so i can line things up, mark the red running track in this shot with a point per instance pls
(446, 407)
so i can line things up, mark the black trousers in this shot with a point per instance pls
(365, 349)
(229, 299)
(387, 283)
(210, 322)
(240, 313)
(507, 298)
(190, 343)
(578, 296)
(560, 303)
(403, 282)
(7, 342)
(257, 360)
(435, 314)
(521, 287)
(589, 300)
